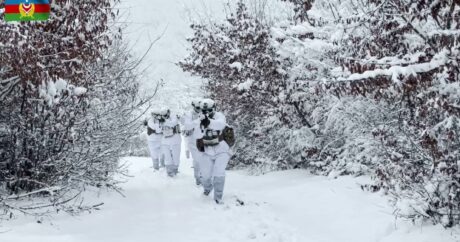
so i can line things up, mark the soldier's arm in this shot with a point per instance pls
(219, 122)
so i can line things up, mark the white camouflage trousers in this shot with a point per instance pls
(155, 153)
(213, 173)
(172, 158)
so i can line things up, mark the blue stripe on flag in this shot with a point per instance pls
(17, 2)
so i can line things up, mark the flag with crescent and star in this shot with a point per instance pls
(27, 10)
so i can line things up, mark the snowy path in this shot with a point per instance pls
(280, 207)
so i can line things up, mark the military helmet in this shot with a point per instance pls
(161, 113)
(208, 106)
(196, 105)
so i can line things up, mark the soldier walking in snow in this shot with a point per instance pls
(171, 142)
(216, 151)
(191, 131)
(154, 132)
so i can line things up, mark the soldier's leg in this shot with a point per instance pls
(196, 156)
(220, 165)
(206, 172)
(162, 160)
(166, 150)
(154, 154)
(175, 152)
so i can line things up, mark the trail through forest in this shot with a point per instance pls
(290, 206)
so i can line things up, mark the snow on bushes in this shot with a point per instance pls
(69, 101)
(239, 62)
(347, 87)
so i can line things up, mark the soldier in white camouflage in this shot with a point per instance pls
(215, 151)
(191, 132)
(171, 142)
(155, 135)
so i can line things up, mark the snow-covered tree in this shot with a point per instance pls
(360, 87)
(69, 97)
(242, 72)
(404, 54)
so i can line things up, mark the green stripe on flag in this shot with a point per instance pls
(17, 17)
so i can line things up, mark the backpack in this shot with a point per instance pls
(150, 131)
(200, 145)
(228, 135)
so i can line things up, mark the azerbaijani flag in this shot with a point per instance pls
(27, 10)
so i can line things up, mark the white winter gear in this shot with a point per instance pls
(156, 112)
(166, 113)
(188, 133)
(171, 145)
(208, 106)
(161, 114)
(156, 154)
(211, 137)
(219, 183)
(213, 173)
(170, 131)
(172, 158)
(215, 157)
(217, 123)
(156, 129)
(154, 142)
(197, 157)
(196, 105)
(191, 126)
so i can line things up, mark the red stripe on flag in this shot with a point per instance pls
(39, 8)
(11, 9)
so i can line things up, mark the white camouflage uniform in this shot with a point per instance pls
(215, 159)
(191, 130)
(154, 143)
(171, 145)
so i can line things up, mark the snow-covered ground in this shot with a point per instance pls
(289, 206)
(279, 207)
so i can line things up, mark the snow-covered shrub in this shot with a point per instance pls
(137, 146)
(69, 98)
(243, 75)
(404, 54)
(397, 85)
(56, 49)
(301, 8)
(361, 87)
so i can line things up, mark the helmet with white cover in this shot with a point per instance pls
(161, 113)
(208, 106)
(196, 105)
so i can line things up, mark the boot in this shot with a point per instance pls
(162, 162)
(156, 164)
(170, 170)
(219, 183)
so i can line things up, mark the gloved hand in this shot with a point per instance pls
(187, 154)
(202, 116)
(145, 122)
(205, 122)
